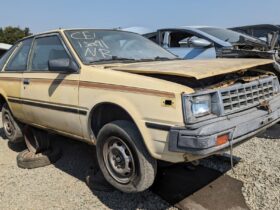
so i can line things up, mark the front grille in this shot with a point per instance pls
(242, 96)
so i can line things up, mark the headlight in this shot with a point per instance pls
(201, 105)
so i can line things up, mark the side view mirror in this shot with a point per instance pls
(200, 42)
(195, 42)
(63, 64)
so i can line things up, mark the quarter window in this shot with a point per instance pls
(6, 56)
(19, 61)
(45, 49)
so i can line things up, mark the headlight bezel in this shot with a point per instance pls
(214, 103)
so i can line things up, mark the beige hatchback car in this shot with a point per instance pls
(137, 102)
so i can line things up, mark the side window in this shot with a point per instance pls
(45, 49)
(6, 56)
(152, 36)
(19, 61)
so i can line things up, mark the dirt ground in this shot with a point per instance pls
(63, 185)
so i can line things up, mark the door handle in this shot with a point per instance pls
(26, 81)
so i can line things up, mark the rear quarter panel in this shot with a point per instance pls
(10, 86)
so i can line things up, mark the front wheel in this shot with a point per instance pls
(11, 128)
(123, 157)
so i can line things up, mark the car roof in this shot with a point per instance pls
(258, 25)
(202, 26)
(41, 33)
(68, 29)
(198, 27)
(139, 30)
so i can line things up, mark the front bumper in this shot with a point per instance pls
(201, 139)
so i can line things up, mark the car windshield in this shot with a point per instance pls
(226, 35)
(111, 45)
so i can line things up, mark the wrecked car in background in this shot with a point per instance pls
(261, 31)
(134, 100)
(203, 42)
(4, 48)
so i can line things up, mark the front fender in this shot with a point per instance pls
(130, 108)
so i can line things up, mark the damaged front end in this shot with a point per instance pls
(226, 114)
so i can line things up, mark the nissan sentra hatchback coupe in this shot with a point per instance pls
(133, 99)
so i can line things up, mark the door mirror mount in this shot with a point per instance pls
(63, 64)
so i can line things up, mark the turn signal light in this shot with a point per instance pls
(222, 139)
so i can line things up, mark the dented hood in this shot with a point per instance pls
(198, 69)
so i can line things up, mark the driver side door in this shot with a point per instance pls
(50, 98)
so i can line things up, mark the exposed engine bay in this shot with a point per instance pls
(219, 81)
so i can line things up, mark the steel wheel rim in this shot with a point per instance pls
(8, 125)
(119, 160)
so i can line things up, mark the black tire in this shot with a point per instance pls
(29, 160)
(36, 140)
(12, 128)
(140, 172)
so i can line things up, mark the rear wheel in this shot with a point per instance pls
(12, 129)
(123, 157)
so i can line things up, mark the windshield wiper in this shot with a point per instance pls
(113, 58)
(116, 58)
(158, 58)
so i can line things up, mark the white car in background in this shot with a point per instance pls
(3, 48)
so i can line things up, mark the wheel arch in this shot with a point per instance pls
(128, 113)
(98, 116)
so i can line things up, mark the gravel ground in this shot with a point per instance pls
(258, 168)
(62, 185)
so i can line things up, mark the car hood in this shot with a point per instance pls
(198, 69)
